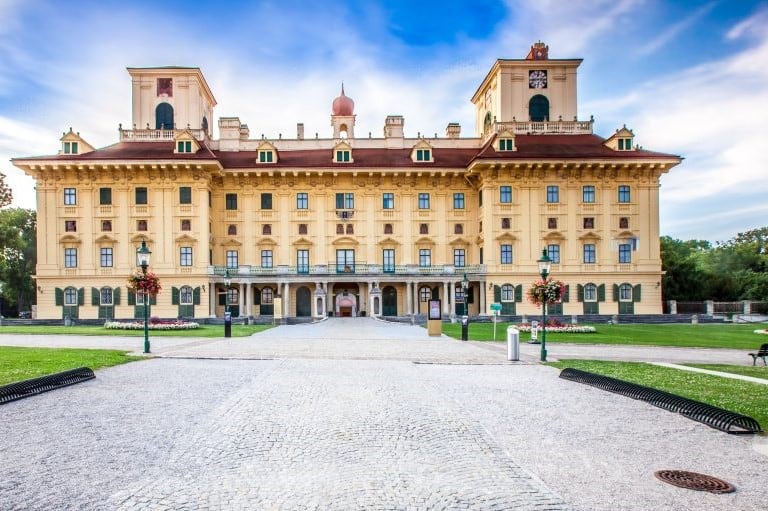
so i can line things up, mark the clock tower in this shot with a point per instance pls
(535, 88)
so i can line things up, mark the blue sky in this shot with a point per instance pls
(688, 77)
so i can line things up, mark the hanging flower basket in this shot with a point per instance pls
(148, 283)
(546, 291)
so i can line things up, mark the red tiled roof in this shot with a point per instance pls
(565, 147)
(132, 151)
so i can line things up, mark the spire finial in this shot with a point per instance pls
(342, 88)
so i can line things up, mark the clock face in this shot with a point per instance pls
(537, 79)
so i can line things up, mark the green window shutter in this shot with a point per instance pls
(174, 296)
(131, 297)
(601, 293)
(153, 300)
(615, 292)
(59, 294)
(81, 296)
(519, 293)
(497, 294)
(567, 295)
(95, 298)
(196, 296)
(579, 292)
(116, 296)
(256, 296)
(636, 293)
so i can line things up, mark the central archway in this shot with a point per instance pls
(389, 301)
(303, 302)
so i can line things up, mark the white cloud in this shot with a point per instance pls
(672, 31)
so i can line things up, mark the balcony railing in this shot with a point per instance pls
(544, 127)
(347, 269)
(150, 135)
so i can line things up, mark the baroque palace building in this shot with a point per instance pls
(350, 225)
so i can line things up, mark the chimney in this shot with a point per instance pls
(393, 126)
(453, 130)
(300, 131)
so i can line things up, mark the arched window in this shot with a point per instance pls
(302, 228)
(266, 229)
(387, 228)
(164, 117)
(487, 122)
(458, 229)
(425, 294)
(505, 223)
(70, 296)
(339, 228)
(590, 293)
(232, 230)
(538, 108)
(204, 124)
(625, 293)
(424, 229)
(232, 295)
(507, 293)
(105, 296)
(185, 295)
(267, 296)
(350, 229)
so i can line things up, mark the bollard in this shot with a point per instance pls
(227, 324)
(513, 343)
(464, 328)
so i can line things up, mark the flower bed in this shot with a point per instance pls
(153, 325)
(557, 327)
(765, 331)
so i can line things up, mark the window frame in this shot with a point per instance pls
(423, 200)
(624, 194)
(388, 260)
(70, 296)
(590, 292)
(230, 202)
(589, 253)
(553, 194)
(105, 196)
(185, 195)
(625, 253)
(140, 196)
(458, 200)
(186, 295)
(106, 257)
(505, 194)
(70, 257)
(459, 257)
(185, 256)
(505, 254)
(266, 201)
(553, 252)
(231, 257)
(106, 297)
(588, 194)
(70, 196)
(387, 200)
(302, 261)
(425, 257)
(507, 293)
(267, 258)
(302, 200)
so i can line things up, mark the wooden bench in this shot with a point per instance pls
(761, 353)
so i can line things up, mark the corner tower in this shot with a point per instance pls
(535, 88)
(171, 98)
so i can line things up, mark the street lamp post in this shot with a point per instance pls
(544, 265)
(142, 256)
(465, 319)
(464, 287)
(227, 317)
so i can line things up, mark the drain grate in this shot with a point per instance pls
(694, 481)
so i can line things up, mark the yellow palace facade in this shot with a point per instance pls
(348, 225)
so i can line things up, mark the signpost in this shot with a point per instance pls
(534, 332)
(495, 310)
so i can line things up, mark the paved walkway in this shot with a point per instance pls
(349, 421)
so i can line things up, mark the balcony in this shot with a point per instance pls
(150, 135)
(558, 127)
(348, 269)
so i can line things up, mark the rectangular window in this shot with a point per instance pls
(342, 156)
(185, 256)
(184, 146)
(231, 201)
(458, 201)
(388, 201)
(302, 261)
(590, 256)
(302, 200)
(588, 194)
(388, 260)
(345, 201)
(232, 259)
(185, 195)
(70, 225)
(105, 196)
(106, 257)
(345, 261)
(506, 144)
(266, 259)
(425, 257)
(265, 157)
(141, 195)
(459, 257)
(480, 198)
(70, 258)
(553, 252)
(266, 201)
(70, 196)
(505, 194)
(423, 201)
(553, 194)
(506, 254)
(70, 296)
(423, 155)
(551, 223)
(625, 253)
(589, 222)
(624, 195)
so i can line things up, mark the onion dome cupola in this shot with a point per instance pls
(343, 116)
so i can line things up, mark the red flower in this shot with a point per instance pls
(148, 283)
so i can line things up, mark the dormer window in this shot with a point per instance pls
(625, 144)
(185, 143)
(423, 155)
(506, 144)
(184, 146)
(266, 156)
(422, 152)
(622, 140)
(343, 156)
(70, 148)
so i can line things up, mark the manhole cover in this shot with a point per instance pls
(694, 481)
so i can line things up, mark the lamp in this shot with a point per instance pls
(142, 258)
(545, 263)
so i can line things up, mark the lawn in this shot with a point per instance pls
(753, 371)
(729, 335)
(203, 331)
(18, 364)
(743, 397)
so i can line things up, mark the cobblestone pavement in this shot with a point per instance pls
(334, 428)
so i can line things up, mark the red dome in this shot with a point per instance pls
(343, 105)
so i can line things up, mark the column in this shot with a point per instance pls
(212, 299)
(482, 311)
(329, 303)
(416, 303)
(446, 299)
(248, 299)
(453, 298)
(286, 301)
(408, 299)
(240, 300)
(364, 293)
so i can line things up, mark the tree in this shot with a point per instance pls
(6, 195)
(18, 257)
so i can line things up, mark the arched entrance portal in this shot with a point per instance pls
(346, 302)
(389, 301)
(303, 302)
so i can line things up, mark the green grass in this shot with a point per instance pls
(743, 397)
(203, 331)
(18, 364)
(753, 371)
(694, 336)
